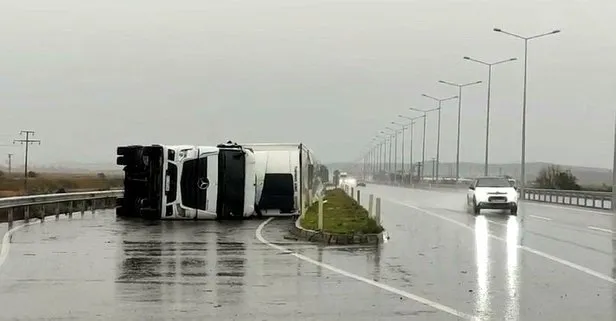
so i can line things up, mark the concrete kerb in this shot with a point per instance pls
(332, 238)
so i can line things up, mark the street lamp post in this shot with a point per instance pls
(485, 169)
(403, 126)
(460, 86)
(523, 160)
(411, 130)
(395, 135)
(438, 135)
(389, 136)
(423, 145)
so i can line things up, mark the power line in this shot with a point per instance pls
(27, 142)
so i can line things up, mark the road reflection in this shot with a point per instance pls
(482, 262)
(512, 310)
(230, 270)
(178, 262)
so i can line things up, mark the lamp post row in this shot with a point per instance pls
(376, 151)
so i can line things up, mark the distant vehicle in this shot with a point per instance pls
(361, 184)
(492, 193)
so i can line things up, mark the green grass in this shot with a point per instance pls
(341, 215)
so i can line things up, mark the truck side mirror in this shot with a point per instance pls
(471, 187)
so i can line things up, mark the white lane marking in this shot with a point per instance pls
(528, 249)
(600, 229)
(414, 297)
(541, 217)
(6, 241)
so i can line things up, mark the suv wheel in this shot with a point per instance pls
(476, 208)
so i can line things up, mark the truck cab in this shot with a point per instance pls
(187, 182)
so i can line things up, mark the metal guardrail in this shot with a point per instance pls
(590, 199)
(599, 200)
(20, 207)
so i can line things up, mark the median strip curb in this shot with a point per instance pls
(332, 238)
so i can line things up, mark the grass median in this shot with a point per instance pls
(341, 215)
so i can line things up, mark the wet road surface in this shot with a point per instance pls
(102, 268)
(544, 264)
(493, 266)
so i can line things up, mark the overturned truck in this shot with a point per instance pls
(187, 182)
(228, 181)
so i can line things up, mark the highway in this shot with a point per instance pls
(440, 263)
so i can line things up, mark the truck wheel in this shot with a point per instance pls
(514, 210)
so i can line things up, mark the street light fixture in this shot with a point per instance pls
(523, 161)
(438, 136)
(485, 169)
(460, 86)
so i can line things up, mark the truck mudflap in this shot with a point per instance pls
(143, 181)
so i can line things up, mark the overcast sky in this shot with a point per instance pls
(90, 75)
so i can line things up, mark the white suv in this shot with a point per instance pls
(492, 193)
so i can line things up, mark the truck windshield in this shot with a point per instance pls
(493, 182)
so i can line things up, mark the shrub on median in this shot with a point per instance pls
(341, 215)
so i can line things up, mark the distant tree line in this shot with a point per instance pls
(554, 177)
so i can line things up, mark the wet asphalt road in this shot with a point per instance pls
(545, 264)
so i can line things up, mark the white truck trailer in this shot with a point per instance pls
(287, 179)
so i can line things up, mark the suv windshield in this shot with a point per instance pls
(492, 182)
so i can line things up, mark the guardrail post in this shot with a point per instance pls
(57, 211)
(370, 204)
(70, 209)
(320, 217)
(26, 213)
(10, 218)
(93, 206)
(377, 217)
(42, 213)
(83, 208)
(358, 197)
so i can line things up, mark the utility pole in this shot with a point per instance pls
(10, 162)
(27, 142)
